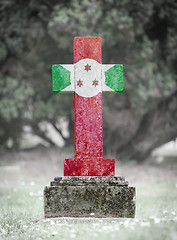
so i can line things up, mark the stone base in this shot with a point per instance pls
(89, 197)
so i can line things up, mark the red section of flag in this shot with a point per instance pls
(89, 167)
(87, 47)
(88, 122)
(88, 126)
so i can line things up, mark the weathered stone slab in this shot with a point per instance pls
(85, 180)
(90, 197)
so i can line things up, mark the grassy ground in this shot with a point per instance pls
(21, 204)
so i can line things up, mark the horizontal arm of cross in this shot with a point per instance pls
(63, 78)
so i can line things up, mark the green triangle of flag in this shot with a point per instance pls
(60, 78)
(114, 78)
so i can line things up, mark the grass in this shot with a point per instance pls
(21, 202)
(21, 216)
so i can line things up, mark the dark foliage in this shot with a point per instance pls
(140, 34)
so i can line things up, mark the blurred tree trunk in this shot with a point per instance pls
(135, 137)
(140, 35)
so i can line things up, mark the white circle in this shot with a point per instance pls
(87, 77)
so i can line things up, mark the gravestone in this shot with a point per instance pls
(89, 187)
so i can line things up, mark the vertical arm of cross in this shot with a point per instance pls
(63, 78)
(112, 78)
(88, 78)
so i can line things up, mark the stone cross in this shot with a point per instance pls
(88, 78)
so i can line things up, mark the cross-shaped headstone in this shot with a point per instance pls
(88, 78)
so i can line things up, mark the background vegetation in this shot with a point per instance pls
(140, 34)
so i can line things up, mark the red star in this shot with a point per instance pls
(87, 67)
(79, 83)
(95, 82)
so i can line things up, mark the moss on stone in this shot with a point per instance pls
(80, 201)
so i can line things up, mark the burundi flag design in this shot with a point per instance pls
(87, 78)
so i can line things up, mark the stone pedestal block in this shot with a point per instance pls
(89, 197)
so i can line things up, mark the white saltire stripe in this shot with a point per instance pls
(105, 67)
(69, 67)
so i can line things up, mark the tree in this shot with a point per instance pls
(141, 35)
